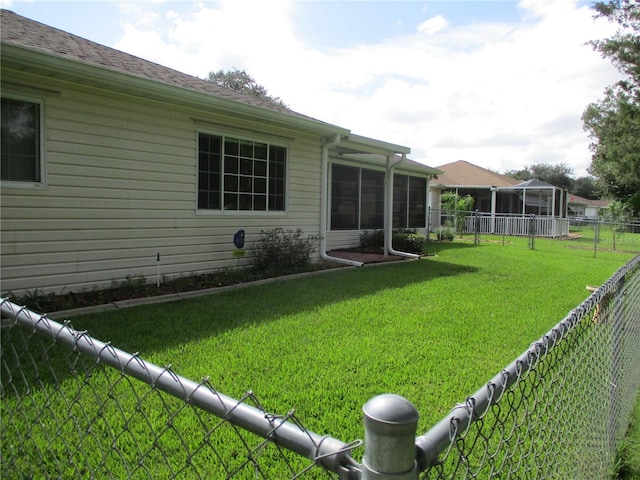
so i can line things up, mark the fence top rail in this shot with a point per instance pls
(439, 438)
(325, 451)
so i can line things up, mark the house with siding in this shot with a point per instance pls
(584, 208)
(111, 162)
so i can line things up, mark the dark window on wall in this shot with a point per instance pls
(409, 201)
(357, 198)
(417, 202)
(345, 197)
(400, 193)
(20, 151)
(371, 199)
(236, 174)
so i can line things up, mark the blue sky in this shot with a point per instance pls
(501, 84)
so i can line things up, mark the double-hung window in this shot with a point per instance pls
(21, 141)
(238, 174)
(357, 198)
(409, 201)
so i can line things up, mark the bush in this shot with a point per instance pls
(444, 233)
(374, 238)
(408, 241)
(404, 240)
(279, 249)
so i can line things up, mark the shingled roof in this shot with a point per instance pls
(464, 174)
(26, 33)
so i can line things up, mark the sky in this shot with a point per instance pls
(500, 84)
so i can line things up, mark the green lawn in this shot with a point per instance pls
(432, 330)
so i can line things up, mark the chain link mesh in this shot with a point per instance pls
(561, 409)
(66, 414)
(72, 406)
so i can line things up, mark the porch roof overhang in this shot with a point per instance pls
(369, 151)
(464, 187)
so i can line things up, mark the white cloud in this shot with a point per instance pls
(499, 95)
(433, 25)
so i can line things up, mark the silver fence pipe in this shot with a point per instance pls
(440, 437)
(326, 451)
(390, 423)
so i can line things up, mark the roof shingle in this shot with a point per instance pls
(463, 173)
(26, 33)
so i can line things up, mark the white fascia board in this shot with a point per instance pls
(44, 64)
(380, 162)
(373, 146)
(470, 187)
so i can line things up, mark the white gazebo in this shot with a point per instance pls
(540, 198)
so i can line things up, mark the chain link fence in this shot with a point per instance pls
(75, 407)
(597, 234)
(559, 410)
(605, 235)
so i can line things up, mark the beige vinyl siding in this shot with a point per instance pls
(343, 239)
(121, 180)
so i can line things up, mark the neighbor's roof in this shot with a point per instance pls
(27, 41)
(578, 200)
(464, 174)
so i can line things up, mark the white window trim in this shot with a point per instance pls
(43, 170)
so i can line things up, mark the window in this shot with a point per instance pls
(236, 174)
(21, 157)
(357, 198)
(409, 201)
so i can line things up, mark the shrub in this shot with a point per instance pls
(444, 233)
(408, 240)
(405, 240)
(278, 248)
(374, 238)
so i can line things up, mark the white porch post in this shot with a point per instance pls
(553, 212)
(493, 208)
(388, 207)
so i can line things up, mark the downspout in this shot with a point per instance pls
(388, 220)
(324, 205)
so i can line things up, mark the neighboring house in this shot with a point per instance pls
(501, 196)
(110, 162)
(465, 178)
(585, 208)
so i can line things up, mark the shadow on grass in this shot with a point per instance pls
(154, 327)
(433, 248)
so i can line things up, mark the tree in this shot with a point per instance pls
(460, 207)
(585, 187)
(241, 82)
(613, 123)
(559, 175)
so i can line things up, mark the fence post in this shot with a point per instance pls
(390, 423)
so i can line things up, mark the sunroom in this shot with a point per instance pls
(371, 185)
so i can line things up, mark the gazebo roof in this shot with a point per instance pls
(533, 184)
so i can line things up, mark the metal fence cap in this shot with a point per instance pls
(390, 408)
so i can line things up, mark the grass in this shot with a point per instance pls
(432, 330)
(629, 453)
